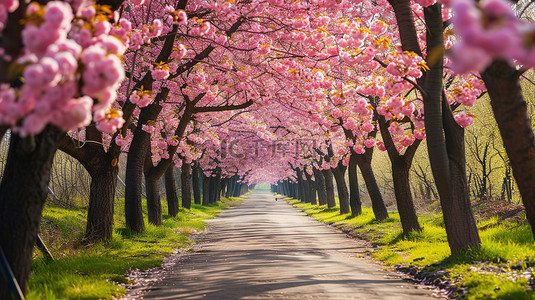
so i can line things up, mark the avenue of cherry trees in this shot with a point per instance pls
(290, 92)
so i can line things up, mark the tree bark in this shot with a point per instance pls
(401, 165)
(224, 182)
(23, 192)
(322, 189)
(154, 204)
(293, 190)
(341, 186)
(196, 183)
(205, 189)
(311, 189)
(231, 184)
(103, 168)
(101, 204)
(139, 149)
(445, 144)
(511, 113)
(217, 192)
(329, 187)
(170, 191)
(354, 194)
(186, 185)
(302, 188)
(405, 204)
(364, 162)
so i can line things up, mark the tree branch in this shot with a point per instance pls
(221, 108)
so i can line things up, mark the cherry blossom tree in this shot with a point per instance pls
(501, 39)
(62, 77)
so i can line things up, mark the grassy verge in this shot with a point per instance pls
(501, 269)
(95, 271)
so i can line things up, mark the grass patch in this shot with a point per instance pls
(494, 271)
(93, 272)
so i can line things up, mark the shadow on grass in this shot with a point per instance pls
(327, 210)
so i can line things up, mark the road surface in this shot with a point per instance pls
(266, 249)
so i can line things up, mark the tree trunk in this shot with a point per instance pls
(154, 204)
(217, 193)
(303, 196)
(364, 162)
(23, 192)
(237, 187)
(401, 165)
(445, 144)
(205, 189)
(341, 186)
(329, 187)
(354, 194)
(170, 191)
(312, 189)
(102, 166)
(224, 185)
(101, 198)
(322, 189)
(511, 113)
(293, 190)
(402, 189)
(212, 189)
(231, 184)
(196, 184)
(139, 149)
(186, 185)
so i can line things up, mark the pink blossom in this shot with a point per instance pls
(76, 113)
(43, 74)
(205, 28)
(395, 129)
(466, 58)
(381, 146)
(137, 2)
(120, 141)
(407, 109)
(367, 127)
(58, 16)
(162, 145)
(323, 21)
(144, 101)
(160, 73)
(350, 123)
(148, 128)
(369, 142)
(419, 134)
(182, 18)
(407, 141)
(378, 27)
(33, 124)
(359, 149)
(463, 119)
(425, 3)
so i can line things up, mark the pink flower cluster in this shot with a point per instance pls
(406, 63)
(56, 69)
(490, 31)
(464, 119)
(396, 107)
(141, 98)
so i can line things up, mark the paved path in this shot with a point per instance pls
(266, 249)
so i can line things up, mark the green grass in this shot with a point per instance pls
(504, 244)
(90, 272)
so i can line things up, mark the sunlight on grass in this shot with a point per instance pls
(90, 272)
(504, 243)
